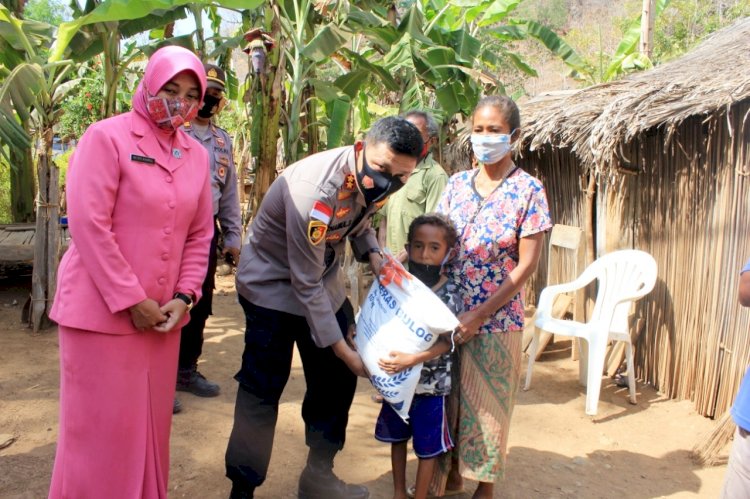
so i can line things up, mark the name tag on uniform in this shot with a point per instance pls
(142, 159)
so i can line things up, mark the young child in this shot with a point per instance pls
(430, 238)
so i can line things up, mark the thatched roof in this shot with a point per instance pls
(597, 121)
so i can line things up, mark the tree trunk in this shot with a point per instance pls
(200, 36)
(270, 88)
(111, 41)
(647, 28)
(310, 122)
(22, 185)
(47, 240)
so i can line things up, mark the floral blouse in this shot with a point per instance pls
(489, 232)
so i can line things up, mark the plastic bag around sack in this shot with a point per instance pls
(400, 314)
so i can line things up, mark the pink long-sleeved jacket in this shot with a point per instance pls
(141, 223)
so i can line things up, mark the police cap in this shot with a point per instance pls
(215, 76)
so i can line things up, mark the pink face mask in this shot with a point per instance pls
(170, 114)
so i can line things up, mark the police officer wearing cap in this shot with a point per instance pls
(226, 211)
(290, 285)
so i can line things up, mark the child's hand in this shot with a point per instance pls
(396, 362)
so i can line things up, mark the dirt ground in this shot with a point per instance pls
(633, 451)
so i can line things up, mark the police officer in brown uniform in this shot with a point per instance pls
(290, 285)
(228, 224)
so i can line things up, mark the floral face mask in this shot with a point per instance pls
(170, 113)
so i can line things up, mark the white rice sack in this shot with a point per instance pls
(400, 314)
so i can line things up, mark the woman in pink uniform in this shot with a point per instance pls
(140, 217)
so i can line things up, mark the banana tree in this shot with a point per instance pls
(101, 26)
(262, 92)
(420, 61)
(31, 93)
(14, 45)
(103, 32)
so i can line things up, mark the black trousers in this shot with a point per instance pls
(270, 336)
(191, 337)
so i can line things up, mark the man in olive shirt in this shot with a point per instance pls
(420, 194)
(291, 288)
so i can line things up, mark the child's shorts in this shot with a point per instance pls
(428, 423)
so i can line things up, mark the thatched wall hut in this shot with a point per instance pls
(660, 161)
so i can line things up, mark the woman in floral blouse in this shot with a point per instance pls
(501, 215)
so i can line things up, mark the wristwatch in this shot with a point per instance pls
(376, 250)
(186, 298)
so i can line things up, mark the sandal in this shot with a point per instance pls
(621, 381)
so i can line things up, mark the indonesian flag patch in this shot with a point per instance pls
(322, 212)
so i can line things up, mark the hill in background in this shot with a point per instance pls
(594, 29)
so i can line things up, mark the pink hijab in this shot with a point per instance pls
(162, 66)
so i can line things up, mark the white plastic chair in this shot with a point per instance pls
(624, 276)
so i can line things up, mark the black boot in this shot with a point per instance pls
(318, 481)
(241, 492)
(190, 380)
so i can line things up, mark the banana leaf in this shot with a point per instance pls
(327, 41)
(361, 62)
(351, 82)
(338, 116)
(556, 45)
(413, 24)
(466, 46)
(497, 11)
(629, 45)
(122, 10)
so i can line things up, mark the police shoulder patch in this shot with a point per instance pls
(316, 231)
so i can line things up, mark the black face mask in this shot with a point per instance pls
(428, 274)
(384, 183)
(209, 103)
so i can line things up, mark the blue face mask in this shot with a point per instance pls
(490, 149)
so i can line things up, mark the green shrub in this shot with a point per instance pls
(6, 216)
(82, 108)
(62, 161)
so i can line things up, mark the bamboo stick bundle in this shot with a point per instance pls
(708, 450)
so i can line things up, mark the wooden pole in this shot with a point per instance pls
(46, 237)
(647, 28)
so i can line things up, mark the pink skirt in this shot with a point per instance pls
(116, 395)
